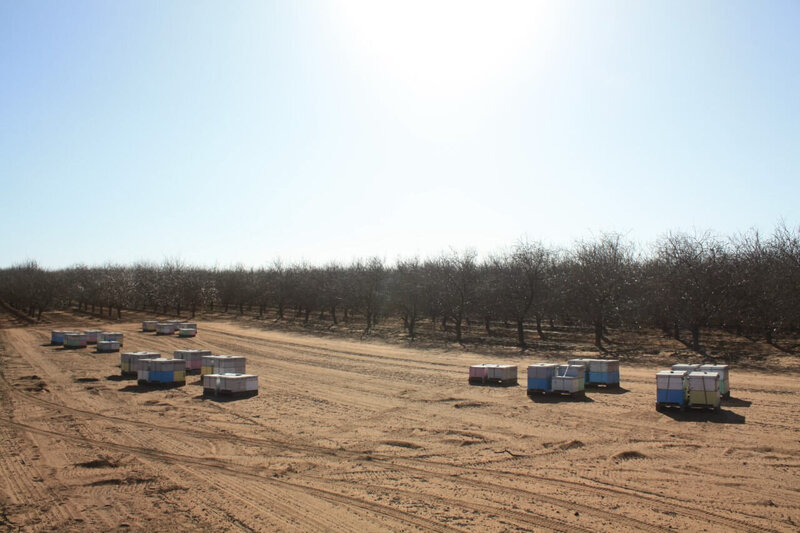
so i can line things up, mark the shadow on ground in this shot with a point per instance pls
(557, 398)
(723, 416)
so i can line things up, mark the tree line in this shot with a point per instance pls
(683, 283)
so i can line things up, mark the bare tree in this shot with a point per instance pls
(599, 277)
(695, 280)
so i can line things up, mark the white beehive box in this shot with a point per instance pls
(686, 367)
(165, 328)
(570, 384)
(724, 377)
(671, 379)
(541, 370)
(129, 361)
(108, 346)
(222, 364)
(504, 373)
(149, 325)
(230, 384)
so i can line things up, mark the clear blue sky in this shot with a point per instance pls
(224, 132)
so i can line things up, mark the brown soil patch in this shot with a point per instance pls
(374, 436)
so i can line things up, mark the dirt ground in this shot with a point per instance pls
(364, 436)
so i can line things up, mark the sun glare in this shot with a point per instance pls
(438, 49)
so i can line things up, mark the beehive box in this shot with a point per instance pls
(92, 335)
(672, 388)
(724, 377)
(568, 384)
(161, 371)
(704, 389)
(57, 336)
(540, 377)
(108, 346)
(129, 361)
(193, 358)
(505, 374)
(165, 328)
(230, 384)
(75, 340)
(187, 325)
(478, 373)
(603, 372)
(222, 364)
(187, 332)
(110, 336)
(575, 371)
(686, 367)
(149, 325)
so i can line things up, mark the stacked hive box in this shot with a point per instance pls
(165, 328)
(585, 364)
(603, 372)
(570, 379)
(149, 325)
(193, 358)
(162, 371)
(187, 332)
(110, 336)
(540, 377)
(230, 384)
(222, 364)
(75, 340)
(129, 361)
(724, 377)
(599, 371)
(672, 388)
(108, 346)
(92, 335)
(703, 389)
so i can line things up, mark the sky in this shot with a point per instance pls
(231, 132)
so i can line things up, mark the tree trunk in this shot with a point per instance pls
(280, 310)
(194, 308)
(308, 312)
(412, 322)
(598, 335)
(520, 332)
(695, 330)
(488, 325)
(119, 312)
(333, 314)
(458, 320)
(539, 326)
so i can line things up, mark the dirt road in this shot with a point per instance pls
(352, 436)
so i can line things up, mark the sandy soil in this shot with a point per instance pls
(358, 436)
